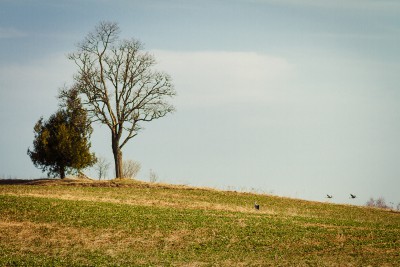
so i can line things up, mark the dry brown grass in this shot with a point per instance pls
(52, 239)
(42, 236)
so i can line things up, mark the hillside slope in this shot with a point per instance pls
(128, 223)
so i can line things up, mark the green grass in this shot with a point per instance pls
(145, 225)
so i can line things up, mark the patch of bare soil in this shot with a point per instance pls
(87, 182)
(66, 181)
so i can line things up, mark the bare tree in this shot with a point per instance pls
(102, 166)
(378, 203)
(381, 203)
(153, 177)
(370, 202)
(120, 88)
(130, 168)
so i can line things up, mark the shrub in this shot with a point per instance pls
(378, 203)
(153, 177)
(130, 168)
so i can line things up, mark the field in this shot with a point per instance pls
(128, 223)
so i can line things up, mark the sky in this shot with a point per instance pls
(291, 98)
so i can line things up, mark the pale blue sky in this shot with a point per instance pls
(298, 98)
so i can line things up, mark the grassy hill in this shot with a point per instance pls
(128, 223)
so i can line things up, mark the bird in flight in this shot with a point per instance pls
(329, 196)
(352, 196)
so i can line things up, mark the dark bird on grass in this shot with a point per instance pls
(256, 206)
(352, 196)
(329, 196)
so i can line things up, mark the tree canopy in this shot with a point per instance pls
(61, 144)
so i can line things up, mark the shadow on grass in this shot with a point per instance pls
(14, 181)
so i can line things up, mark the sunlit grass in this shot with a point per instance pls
(141, 224)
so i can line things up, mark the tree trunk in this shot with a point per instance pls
(62, 172)
(117, 159)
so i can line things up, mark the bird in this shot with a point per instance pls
(256, 206)
(353, 196)
(329, 196)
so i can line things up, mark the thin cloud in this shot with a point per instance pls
(34, 84)
(341, 4)
(221, 77)
(11, 33)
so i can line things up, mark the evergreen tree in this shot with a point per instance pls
(61, 144)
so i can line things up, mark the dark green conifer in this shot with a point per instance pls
(61, 144)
